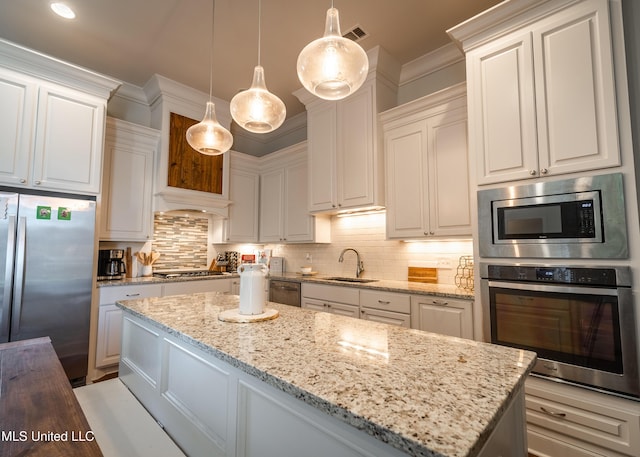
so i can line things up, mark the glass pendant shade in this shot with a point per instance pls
(256, 109)
(208, 136)
(332, 67)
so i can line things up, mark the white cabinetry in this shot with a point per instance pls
(345, 142)
(576, 422)
(110, 319)
(331, 299)
(51, 136)
(126, 189)
(110, 316)
(542, 97)
(447, 316)
(386, 307)
(427, 181)
(244, 193)
(283, 200)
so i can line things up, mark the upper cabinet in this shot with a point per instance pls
(51, 134)
(126, 213)
(542, 95)
(284, 216)
(244, 193)
(427, 183)
(345, 142)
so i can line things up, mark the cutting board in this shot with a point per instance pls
(423, 274)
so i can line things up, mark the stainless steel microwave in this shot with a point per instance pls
(573, 218)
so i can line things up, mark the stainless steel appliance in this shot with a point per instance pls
(579, 320)
(285, 292)
(573, 218)
(111, 264)
(46, 273)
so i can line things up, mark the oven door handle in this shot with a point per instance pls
(555, 288)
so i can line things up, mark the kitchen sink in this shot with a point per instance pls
(345, 279)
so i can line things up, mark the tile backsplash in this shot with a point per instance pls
(181, 241)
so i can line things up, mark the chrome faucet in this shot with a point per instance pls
(359, 263)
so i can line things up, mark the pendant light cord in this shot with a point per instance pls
(213, 15)
(259, 27)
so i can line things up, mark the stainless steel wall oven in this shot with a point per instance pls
(579, 320)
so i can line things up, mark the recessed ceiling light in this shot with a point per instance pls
(63, 10)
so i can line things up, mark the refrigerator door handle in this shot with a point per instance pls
(8, 280)
(21, 244)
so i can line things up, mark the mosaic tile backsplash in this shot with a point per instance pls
(181, 241)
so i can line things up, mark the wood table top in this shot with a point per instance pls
(39, 413)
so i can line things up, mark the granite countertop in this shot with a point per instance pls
(442, 290)
(423, 393)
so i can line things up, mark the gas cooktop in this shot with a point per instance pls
(185, 273)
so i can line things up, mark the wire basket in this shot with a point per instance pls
(464, 273)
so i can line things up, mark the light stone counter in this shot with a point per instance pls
(425, 394)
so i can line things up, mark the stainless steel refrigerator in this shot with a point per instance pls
(46, 273)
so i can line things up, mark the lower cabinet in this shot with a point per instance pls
(570, 421)
(110, 319)
(386, 307)
(331, 299)
(110, 316)
(447, 316)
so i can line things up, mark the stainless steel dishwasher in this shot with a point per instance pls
(285, 292)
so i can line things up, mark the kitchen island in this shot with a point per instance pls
(312, 383)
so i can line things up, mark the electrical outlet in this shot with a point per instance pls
(444, 264)
(307, 257)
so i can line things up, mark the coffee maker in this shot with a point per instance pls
(111, 264)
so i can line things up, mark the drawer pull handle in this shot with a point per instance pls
(383, 302)
(552, 414)
(440, 303)
(132, 295)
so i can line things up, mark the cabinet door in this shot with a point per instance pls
(272, 206)
(448, 182)
(343, 309)
(126, 213)
(244, 192)
(445, 316)
(298, 223)
(69, 140)
(386, 317)
(321, 128)
(17, 114)
(316, 305)
(109, 336)
(502, 127)
(406, 173)
(355, 160)
(575, 90)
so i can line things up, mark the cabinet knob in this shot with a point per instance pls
(426, 233)
(533, 172)
(23, 180)
(431, 233)
(544, 171)
(333, 206)
(37, 183)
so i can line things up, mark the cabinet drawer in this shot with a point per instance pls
(578, 416)
(350, 295)
(109, 295)
(386, 301)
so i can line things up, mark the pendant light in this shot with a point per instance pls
(332, 67)
(256, 109)
(208, 137)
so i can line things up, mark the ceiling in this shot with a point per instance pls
(131, 40)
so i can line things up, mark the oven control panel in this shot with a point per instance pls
(557, 275)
